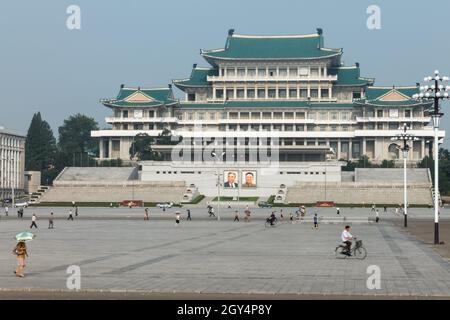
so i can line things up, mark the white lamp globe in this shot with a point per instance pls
(427, 95)
(441, 87)
(425, 79)
(436, 72)
(430, 78)
(447, 88)
(432, 87)
(437, 78)
(438, 94)
(445, 78)
(426, 87)
(446, 95)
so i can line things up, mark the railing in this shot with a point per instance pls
(390, 119)
(272, 78)
(139, 120)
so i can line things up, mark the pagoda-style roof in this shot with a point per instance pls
(390, 97)
(197, 79)
(350, 76)
(294, 47)
(137, 97)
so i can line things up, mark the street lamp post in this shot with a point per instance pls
(11, 180)
(214, 155)
(405, 137)
(435, 92)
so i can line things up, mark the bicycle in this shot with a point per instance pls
(268, 224)
(358, 251)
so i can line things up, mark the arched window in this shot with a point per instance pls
(393, 151)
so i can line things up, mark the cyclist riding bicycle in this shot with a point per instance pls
(272, 218)
(347, 238)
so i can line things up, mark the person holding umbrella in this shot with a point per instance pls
(21, 251)
(177, 218)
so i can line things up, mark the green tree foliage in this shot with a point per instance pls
(75, 141)
(40, 149)
(444, 169)
(141, 147)
(388, 164)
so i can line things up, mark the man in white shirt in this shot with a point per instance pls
(347, 238)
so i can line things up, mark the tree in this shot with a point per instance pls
(40, 149)
(388, 164)
(75, 139)
(141, 148)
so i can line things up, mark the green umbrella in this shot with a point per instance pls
(25, 236)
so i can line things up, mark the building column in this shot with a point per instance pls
(101, 151)
(423, 148)
(364, 147)
(339, 149)
(109, 148)
(350, 149)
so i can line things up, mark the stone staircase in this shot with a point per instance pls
(36, 196)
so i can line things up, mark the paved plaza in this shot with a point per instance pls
(207, 256)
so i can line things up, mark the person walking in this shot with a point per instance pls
(50, 221)
(377, 216)
(146, 217)
(373, 207)
(338, 211)
(281, 214)
(33, 222)
(177, 218)
(291, 217)
(21, 253)
(316, 222)
(211, 212)
(70, 215)
(247, 215)
(76, 211)
(385, 209)
(188, 215)
(236, 216)
(6, 210)
(21, 213)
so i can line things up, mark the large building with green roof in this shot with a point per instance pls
(290, 92)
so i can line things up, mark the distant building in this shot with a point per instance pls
(12, 163)
(289, 86)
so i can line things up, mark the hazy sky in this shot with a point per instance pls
(46, 67)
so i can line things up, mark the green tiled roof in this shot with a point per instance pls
(350, 76)
(272, 47)
(198, 78)
(374, 96)
(157, 97)
(267, 104)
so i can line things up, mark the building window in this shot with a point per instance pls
(191, 96)
(125, 126)
(334, 128)
(230, 72)
(266, 127)
(233, 115)
(323, 116)
(304, 93)
(370, 113)
(380, 113)
(277, 127)
(380, 126)
(334, 116)
(240, 93)
(344, 115)
(293, 93)
(256, 115)
(322, 142)
(272, 72)
(300, 115)
(407, 113)
(267, 115)
(201, 116)
(393, 113)
(282, 72)
(293, 72)
(289, 115)
(261, 72)
(251, 93)
(323, 127)
(261, 93)
(255, 127)
(278, 115)
(138, 127)
(314, 72)
(370, 126)
(245, 115)
(310, 142)
(282, 93)
(219, 93)
(288, 127)
(241, 72)
(251, 73)
(299, 127)
(299, 142)
(356, 95)
(212, 116)
(393, 126)
(190, 116)
(324, 93)
(312, 115)
(125, 114)
(271, 93)
(314, 93)
(230, 93)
